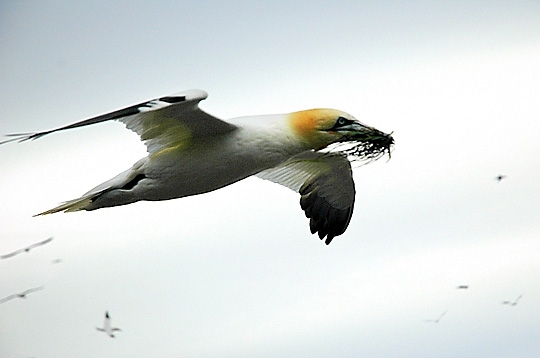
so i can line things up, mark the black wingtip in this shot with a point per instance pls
(23, 137)
(324, 221)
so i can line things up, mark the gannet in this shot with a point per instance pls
(21, 294)
(107, 326)
(512, 303)
(192, 152)
(438, 319)
(26, 249)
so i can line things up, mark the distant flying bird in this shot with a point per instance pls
(26, 249)
(500, 177)
(21, 294)
(512, 303)
(192, 152)
(56, 261)
(107, 326)
(437, 319)
(462, 287)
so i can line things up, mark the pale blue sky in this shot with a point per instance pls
(236, 272)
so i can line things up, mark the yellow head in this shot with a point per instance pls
(318, 128)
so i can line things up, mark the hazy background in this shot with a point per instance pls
(236, 273)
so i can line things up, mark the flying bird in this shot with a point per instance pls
(512, 303)
(437, 319)
(500, 177)
(21, 294)
(462, 287)
(107, 326)
(26, 249)
(192, 152)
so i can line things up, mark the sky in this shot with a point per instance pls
(236, 272)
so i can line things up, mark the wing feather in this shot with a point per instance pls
(326, 186)
(161, 123)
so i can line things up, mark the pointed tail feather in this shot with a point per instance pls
(126, 180)
(81, 203)
(69, 206)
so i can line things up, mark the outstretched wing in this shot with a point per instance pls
(326, 186)
(11, 254)
(5, 299)
(30, 290)
(162, 123)
(39, 243)
(28, 248)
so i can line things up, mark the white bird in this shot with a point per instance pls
(438, 319)
(512, 303)
(192, 152)
(26, 249)
(107, 326)
(21, 294)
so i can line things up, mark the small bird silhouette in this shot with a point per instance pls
(512, 303)
(107, 326)
(21, 294)
(462, 287)
(26, 249)
(437, 319)
(500, 177)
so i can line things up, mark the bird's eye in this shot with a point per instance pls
(341, 121)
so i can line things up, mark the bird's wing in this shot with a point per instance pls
(115, 329)
(30, 290)
(5, 299)
(11, 254)
(442, 315)
(40, 243)
(326, 186)
(162, 123)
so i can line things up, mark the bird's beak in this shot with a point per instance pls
(360, 132)
(370, 143)
(353, 128)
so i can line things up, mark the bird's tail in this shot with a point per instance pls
(125, 181)
(78, 204)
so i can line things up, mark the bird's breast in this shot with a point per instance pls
(212, 163)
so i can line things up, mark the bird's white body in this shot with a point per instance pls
(107, 328)
(207, 164)
(191, 152)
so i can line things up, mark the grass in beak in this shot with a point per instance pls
(366, 146)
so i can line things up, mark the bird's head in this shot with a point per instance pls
(320, 128)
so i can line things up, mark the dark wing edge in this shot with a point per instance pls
(187, 96)
(328, 214)
(326, 187)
